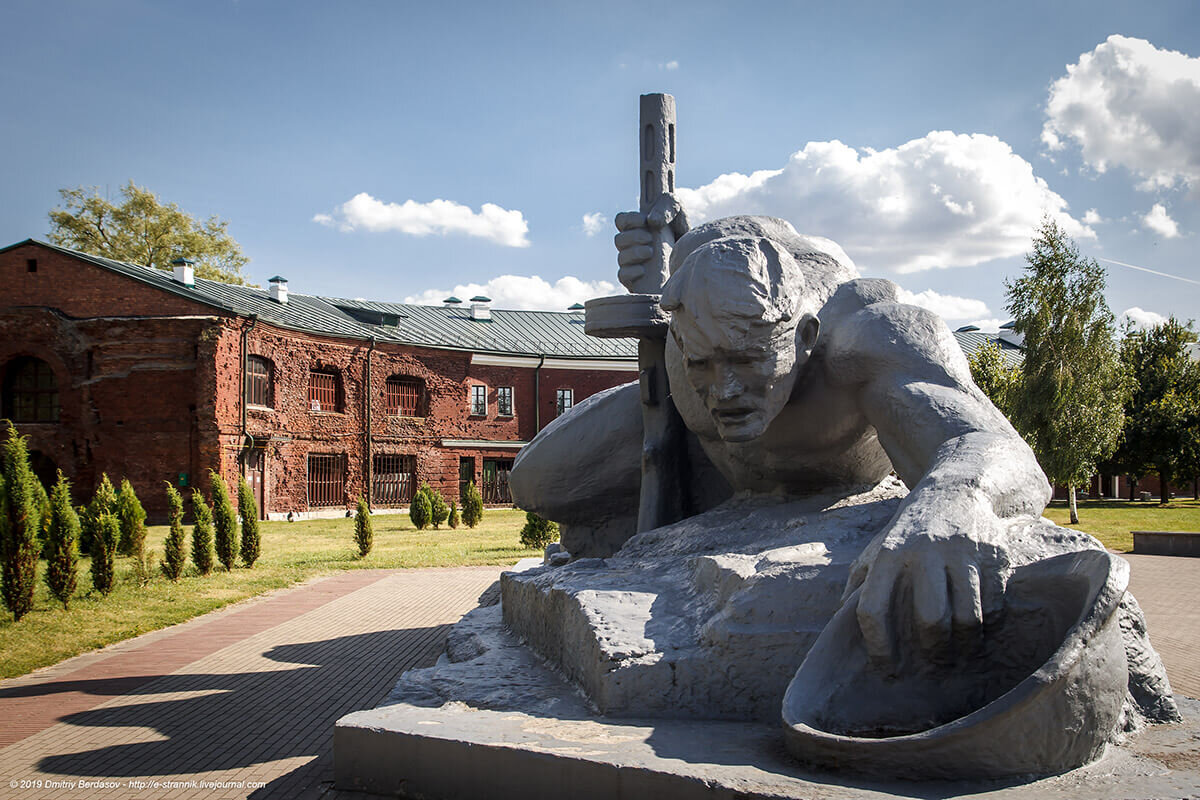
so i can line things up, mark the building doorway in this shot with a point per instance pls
(466, 475)
(495, 481)
(256, 463)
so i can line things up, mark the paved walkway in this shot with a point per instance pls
(242, 702)
(237, 703)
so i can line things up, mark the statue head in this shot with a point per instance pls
(741, 319)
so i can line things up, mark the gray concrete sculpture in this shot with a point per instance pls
(930, 624)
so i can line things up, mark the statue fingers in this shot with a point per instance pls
(966, 600)
(629, 220)
(639, 254)
(874, 610)
(666, 208)
(628, 276)
(858, 574)
(633, 237)
(931, 608)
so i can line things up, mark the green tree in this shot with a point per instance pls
(454, 519)
(20, 525)
(104, 501)
(132, 517)
(1069, 404)
(1162, 409)
(363, 535)
(202, 534)
(538, 532)
(419, 510)
(995, 376)
(251, 537)
(143, 230)
(104, 552)
(62, 543)
(224, 522)
(175, 547)
(472, 513)
(438, 509)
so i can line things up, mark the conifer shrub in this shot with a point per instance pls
(437, 505)
(132, 518)
(472, 513)
(363, 535)
(538, 532)
(62, 543)
(224, 522)
(20, 525)
(420, 511)
(454, 519)
(175, 546)
(251, 538)
(104, 501)
(202, 534)
(43, 502)
(104, 552)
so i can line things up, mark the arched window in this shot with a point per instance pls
(30, 391)
(324, 390)
(259, 372)
(404, 396)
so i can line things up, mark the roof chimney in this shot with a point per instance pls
(278, 289)
(480, 308)
(183, 271)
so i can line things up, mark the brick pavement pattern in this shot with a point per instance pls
(246, 696)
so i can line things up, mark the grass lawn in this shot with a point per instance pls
(1111, 521)
(292, 552)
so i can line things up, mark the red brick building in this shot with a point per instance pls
(139, 373)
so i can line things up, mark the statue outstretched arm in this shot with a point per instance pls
(939, 567)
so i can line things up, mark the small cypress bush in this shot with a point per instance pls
(538, 532)
(104, 552)
(43, 501)
(175, 547)
(437, 506)
(419, 510)
(104, 501)
(202, 534)
(363, 535)
(224, 522)
(132, 518)
(251, 538)
(62, 543)
(454, 519)
(472, 513)
(20, 525)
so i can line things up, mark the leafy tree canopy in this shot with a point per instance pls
(995, 377)
(143, 230)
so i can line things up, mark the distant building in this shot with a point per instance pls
(158, 377)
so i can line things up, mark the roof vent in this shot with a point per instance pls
(278, 289)
(480, 308)
(183, 271)
(575, 309)
(452, 302)
(967, 329)
(1008, 333)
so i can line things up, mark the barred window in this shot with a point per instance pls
(564, 399)
(504, 401)
(394, 478)
(326, 480)
(258, 381)
(403, 396)
(30, 391)
(323, 390)
(479, 401)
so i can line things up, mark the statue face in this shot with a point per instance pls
(745, 382)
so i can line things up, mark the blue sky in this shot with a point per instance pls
(927, 139)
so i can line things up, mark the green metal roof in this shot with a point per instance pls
(558, 334)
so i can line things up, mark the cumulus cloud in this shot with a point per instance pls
(990, 325)
(1092, 217)
(443, 217)
(1141, 318)
(523, 293)
(946, 306)
(670, 66)
(1160, 222)
(1130, 104)
(944, 200)
(594, 223)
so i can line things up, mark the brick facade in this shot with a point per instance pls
(150, 387)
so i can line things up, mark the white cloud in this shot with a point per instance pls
(523, 293)
(670, 66)
(1130, 104)
(944, 200)
(1160, 222)
(946, 306)
(594, 223)
(991, 325)
(442, 217)
(1141, 318)
(1092, 217)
